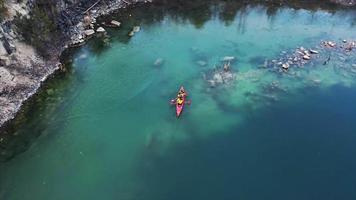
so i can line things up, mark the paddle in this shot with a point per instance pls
(189, 102)
(173, 101)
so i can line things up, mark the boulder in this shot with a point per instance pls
(354, 66)
(202, 63)
(131, 33)
(285, 66)
(158, 62)
(115, 23)
(344, 41)
(5, 76)
(228, 58)
(331, 44)
(136, 29)
(313, 51)
(89, 32)
(100, 30)
(4, 61)
(218, 78)
(306, 57)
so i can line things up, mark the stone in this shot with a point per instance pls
(331, 44)
(202, 63)
(115, 23)
(313, 51)
(4, 61)
(285, 66)
(5, 76)
(218, 78)
(132, 33)
(89, 32)
(87, 20)
(136, 29)
(344, 41)
(306, 57)
(228, 58)
(100, 30)
(354, 65)
(158, 62)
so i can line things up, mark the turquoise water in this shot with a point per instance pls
(110, 133)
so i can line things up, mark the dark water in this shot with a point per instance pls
(105, 130)
(300, 149)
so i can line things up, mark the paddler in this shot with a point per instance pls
(181, 93)
(179, 101)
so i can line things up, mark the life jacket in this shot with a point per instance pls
(179, 101)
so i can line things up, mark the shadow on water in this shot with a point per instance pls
(300, 149)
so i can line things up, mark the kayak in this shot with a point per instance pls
(179, 107)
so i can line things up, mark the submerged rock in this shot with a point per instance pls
(313, 51)
(228, 58)
(131, 33)
(136, 29)
(306, 57)
(285, 66)
(158, 62)
(202, 63)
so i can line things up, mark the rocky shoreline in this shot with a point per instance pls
(22, 69)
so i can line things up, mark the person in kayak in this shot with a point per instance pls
(181, 93)
(179, 100)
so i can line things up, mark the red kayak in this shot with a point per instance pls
(180, 102)
(179, 107)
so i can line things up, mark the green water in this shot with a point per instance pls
(111, 133)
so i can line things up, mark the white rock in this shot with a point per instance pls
(136, 29)
(202, 63)
(285, 66)
(158, 62)
(228, 58)
(89, 32)
(115, 23)
(306, 57)
(100, 30)
(218, 78)
(313, 51)
(131, 33)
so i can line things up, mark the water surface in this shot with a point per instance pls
(107, 130)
